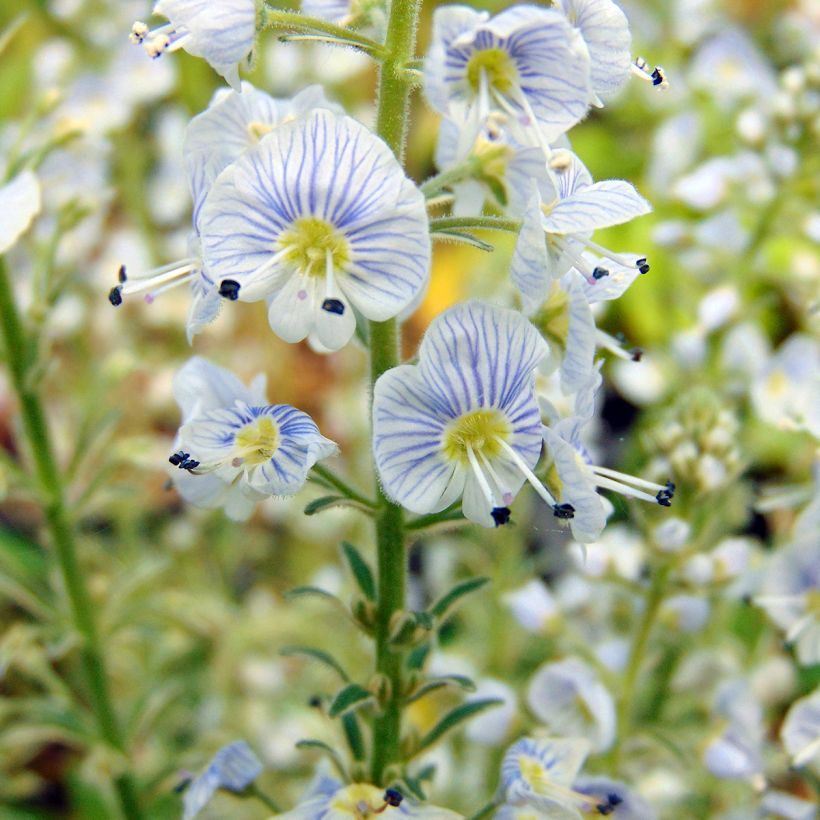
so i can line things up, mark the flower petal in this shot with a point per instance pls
(20, 203)
(611, 202)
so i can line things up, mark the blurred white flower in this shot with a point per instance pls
(20, 203)
(800, 731)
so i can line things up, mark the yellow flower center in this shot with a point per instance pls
(257, 130)
(257, 442)
(479, 430)
(358, 801)
(307, 242)
(497, 65)
(533, 773)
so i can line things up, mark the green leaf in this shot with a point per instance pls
(417, 656)
(353, 734)
(466, 238)
(454, 718)
(321, 746)
(361, 571)
(433, 684)
(325, 503)
(352, 696)
(441, 608)
(318, 655)
(299, 592)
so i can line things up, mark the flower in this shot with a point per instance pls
(231, 125)
(334, 11)
(570, 700)
(222, 33)
(233, 768)
(524, 63)
(465, 420)
(620, 802)
(568, 207)
(361, 801)
(318, 217)
(800, 731)
(20, 202)
(233, 448)
(539, 773)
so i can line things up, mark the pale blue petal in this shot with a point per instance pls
(334, 11)
(579, 350)
(528, 166)
(222, 33)
(631, 806)
(200, 386)
(605, 31)
(409, 419)
(615, 284)
(601, 205)
(577, 489)
(233, 768)
(478, 355)
(571, 175)
(530, 268)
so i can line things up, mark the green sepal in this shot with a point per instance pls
(442, 607)
(417, 656)
(326, 502)
(353, 696)
(318, 655)
(361, 570)
(454, 718)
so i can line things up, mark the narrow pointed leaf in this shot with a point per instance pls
(353, 734)
(352, 696)
(325, 503)
(433, 684)
(318, 655)
(361, 570)
(454, 719)
(441, 608)
(321, 746)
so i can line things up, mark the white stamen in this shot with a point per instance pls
(799, 627)
(629, 479)
(521, 98)
(331, 288)
(481, 478)
(528, 473)
(506, 496)
(610, 343)
(608, 254)
(624, 489)
(176, 272)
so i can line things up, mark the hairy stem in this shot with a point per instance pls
(391, 125)
(19, 360)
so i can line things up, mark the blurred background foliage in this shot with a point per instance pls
(191, 605)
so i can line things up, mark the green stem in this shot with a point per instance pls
(329, 477)
(293, 21)
(445, 179)
(19, 359)
(391, 125)
(257, 793)
(625, 711)
(474, 223)
(425, 521)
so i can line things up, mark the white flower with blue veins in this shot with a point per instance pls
(526, 63)
(463, 422)
(538, 774)
(233, 768)
(223, 32)
(232, 124)
(318, 219)
(233, 448)
(561, 210)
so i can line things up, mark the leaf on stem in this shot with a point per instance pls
(318, 655)
(321, 746)
(444, 605)
(361, 570)
(328, 501)
(353, 735)
(461, 681)
(353, 696)
(454, 718)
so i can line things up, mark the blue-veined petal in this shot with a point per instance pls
(200, 386)
(233, 768)
(605, 30)
(618, 279)
(222, 33)
(334, 11)
(600, 205)
(530, 267)
(574, 486)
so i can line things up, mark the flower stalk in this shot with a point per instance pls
(391, 125)
(18, 357)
